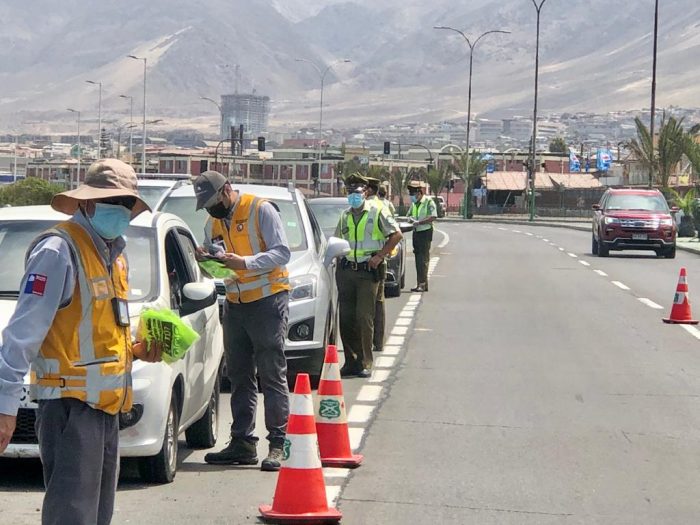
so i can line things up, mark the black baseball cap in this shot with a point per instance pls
(207, 188)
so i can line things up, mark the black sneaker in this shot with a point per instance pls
(273, 460)
(377, 349)
(347, 371)
(364, 373)
(237, 452)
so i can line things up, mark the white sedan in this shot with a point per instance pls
(168, 399)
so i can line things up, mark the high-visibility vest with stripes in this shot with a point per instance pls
(419, 211)
(86, 355)
(244, 238)
(365, 236)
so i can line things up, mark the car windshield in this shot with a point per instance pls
(636, 202)
(152, 194)
(184, 207)
(328, 214)
(16, 236)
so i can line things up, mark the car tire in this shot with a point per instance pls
(603, 250)
(594, 245)
(392, 291)
(203, 432)
(162, 467)
(670, 253)
(402, 282)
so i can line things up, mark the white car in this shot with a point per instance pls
(168, 399)
(152, 187)
(313, 300)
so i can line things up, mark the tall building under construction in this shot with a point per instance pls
(250, 110)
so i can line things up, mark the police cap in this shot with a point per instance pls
(373, 183)
(356, 179)
(415, 185)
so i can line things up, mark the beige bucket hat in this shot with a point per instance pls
(104, 179)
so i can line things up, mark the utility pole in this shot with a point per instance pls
(533, 148)
(653, 94)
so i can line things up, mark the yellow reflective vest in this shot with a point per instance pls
(244, 238)
(365, 236)
(86, 355)
(421, 210)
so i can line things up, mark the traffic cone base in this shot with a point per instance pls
(680, 311)
(331, 418)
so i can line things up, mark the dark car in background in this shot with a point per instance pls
(634, 219)
(327, 211)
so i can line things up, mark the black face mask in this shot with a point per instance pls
(218, 211)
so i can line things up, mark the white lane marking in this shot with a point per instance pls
(369, 393)
(620, 285)
(394, 340)
(384, 362)
(391, 350)
(545, 240)
(539, 236)
(379, 376)
(585, 263)
(650, 303)
(423, 329)
(515, 231)
(529, 234)
(399, 330)
(360, 413)
(402, 321)
(601, 273)
(573, 255)
(561, 249)
(503, 229)
(691, 330)
(356, 435)
(404, 313)
(445, 241)
(552, 244)
(415, 298)
(332, 494)
(331, 472)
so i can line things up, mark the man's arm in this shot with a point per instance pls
(390, 228)
(272, 232)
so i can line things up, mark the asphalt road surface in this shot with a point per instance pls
(534, 384)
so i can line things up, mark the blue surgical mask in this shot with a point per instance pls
(356, 200)
(413, 199)
(110, 220)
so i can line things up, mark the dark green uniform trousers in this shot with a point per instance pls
(379, 318)
(421, 249)
(357, 297)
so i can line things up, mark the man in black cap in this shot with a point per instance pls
(372, 234)
(423, 212)
(247, 234)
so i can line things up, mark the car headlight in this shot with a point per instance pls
(612, 220)
(666, 222)
(303, 287)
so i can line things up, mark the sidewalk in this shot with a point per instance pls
(686, 244)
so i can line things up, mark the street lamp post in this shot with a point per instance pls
(533, 146)
(99, 118)
(80, 152)
(221, 114)
(131, 125)
(653, 92)
(143, 151)
(322, 76)
(467, 197)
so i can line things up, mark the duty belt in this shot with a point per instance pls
(356, 266)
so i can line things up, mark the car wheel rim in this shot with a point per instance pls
(170, 440)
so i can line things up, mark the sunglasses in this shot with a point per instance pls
(127, 202)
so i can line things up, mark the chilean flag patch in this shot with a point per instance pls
(36, 284)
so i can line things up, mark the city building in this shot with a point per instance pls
(249, 110)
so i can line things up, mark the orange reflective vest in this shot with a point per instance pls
(244, 238)
(86, 355)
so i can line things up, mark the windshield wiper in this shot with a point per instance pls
(9, 293)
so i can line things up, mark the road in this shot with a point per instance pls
(534, 384)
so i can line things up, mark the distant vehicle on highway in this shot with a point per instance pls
(328, 210)
(634, 219)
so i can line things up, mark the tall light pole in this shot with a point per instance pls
(533, 146)
(322, 75)
(653, 92)
(221, 114)
(143, 142)
(99, 118)
(467, 197)
(131, 125)
(80, 149)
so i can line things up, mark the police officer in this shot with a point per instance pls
(75, 282)
(373, 186)
(381, 195)
(247, 234)
(372, 234)
(423, 212)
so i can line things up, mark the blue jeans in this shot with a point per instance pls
(254, 335)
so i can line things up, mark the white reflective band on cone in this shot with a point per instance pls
(330, 372)
(682, 280)
(301, 405)
(303, 452)
(333, 410)
(680, 298)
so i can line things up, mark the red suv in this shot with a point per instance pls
(631, 219)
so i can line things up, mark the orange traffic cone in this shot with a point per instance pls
(680, 311)
(300, 496)
(331, 418)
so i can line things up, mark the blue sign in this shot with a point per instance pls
(574, 163)
(604, 159)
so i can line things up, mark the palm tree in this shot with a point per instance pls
(691, 149)
(477, 166)
(642, 147)
(669, 150)
(397, 180)
(439, 178)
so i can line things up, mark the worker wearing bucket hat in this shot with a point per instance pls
(71, 326)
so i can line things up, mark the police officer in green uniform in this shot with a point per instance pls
(372, 234)
(381, 195)
(379, 310)
(423, 212)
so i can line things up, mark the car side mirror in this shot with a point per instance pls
(596, 207)
(335, 248)
(197, 296)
